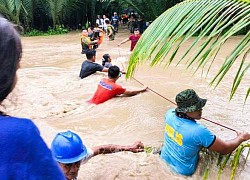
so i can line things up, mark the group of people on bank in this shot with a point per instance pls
(92, 37)
(24, 154)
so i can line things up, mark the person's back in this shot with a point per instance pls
(184, 136)
(110, 30)
(24, 155)
(106, 61)
(183, 140)
(89, 66)
(107, 88)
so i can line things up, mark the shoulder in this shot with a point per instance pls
(170, 112)
(18, 121)
(118, 87)
(201, 131)
(90, 153)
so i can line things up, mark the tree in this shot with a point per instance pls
(11, 9)
(213, 22)
(151, 9)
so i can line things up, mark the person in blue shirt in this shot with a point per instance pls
(184, 137)
(24, 154)
(115, 22)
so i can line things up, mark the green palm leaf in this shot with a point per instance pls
(212, 22)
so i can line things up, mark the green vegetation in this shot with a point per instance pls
(51, 31)
(210, 159)
(36, 16)
(232, 160)
(213, 22)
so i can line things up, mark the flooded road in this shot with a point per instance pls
(50, 92)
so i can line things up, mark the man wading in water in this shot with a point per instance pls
(184, 137)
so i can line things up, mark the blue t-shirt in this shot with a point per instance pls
(114, 20)
(24, 154)
(89, 68)
(183, 139)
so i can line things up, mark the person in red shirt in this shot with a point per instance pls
(107, 87)
(133, 38)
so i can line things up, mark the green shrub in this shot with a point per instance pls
(59, 29)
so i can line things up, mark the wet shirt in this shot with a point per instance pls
(133, 40)
(107, 64)
(183, 140)
(24, 154)
(89, 68)
(106, 90)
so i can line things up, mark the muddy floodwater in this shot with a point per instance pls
(50, 92)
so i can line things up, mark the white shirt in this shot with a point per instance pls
(100, 22)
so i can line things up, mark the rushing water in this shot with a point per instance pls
(50, 92)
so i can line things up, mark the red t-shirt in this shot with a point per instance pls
(106, 90)
(133, 40)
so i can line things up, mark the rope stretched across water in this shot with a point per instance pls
(176, 104)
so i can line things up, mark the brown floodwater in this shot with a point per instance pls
(50, 92)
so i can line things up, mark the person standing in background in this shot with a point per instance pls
(104, 22)
(110, 31)
(86, 41)
(100, 22)
(115, 22)
(134, 38)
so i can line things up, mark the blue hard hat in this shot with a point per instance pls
(67, 147)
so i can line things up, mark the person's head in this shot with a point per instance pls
(104, 16)
(90, 54)
(106, 58)
(68, 150)
(85, 32)
(10, 55)
(136, 31)
(107, 21)
(189, 103)
(98, 16)
(114, 72)
(115, 13)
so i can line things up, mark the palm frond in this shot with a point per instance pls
(211, 22)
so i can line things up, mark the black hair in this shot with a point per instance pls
(136, 29)
(10, 54)
(90, 53)
(113, 72)
(105, 58)
(107, 21)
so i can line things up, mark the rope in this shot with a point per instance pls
(176, 104)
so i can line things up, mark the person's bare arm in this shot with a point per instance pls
(225, 147)
(112, 148)
(105, 69)
(93, 42)
(124, 41)
(134, 92)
